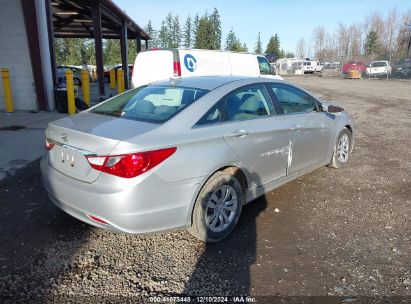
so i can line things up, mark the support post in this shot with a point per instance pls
(146, 44)
(138, 45)
(124, 53)
(30, 21)
(98, 42)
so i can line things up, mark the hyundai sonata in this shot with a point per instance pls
(189, 153)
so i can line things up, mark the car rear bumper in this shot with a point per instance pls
(142, 205)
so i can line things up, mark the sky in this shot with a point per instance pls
(291, 20)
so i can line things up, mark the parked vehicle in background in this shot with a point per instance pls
(189, 152)
(160, 64)
(331, 69)
(319, 67)
(379, 68)
(107, 73)
(401, 68)
(309, 66)
(61, 74)
(353, 65)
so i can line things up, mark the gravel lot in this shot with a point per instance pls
(340, 232)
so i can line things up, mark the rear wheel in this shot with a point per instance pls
(342, 149)
(217, 208)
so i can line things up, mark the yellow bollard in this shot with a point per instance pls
(112, 79)
(8, 99)
(120, 81)
(85, 86)
(71, 106)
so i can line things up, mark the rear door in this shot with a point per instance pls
(152, 66)
(246, 119)
(310, 137)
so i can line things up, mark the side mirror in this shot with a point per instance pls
(334, 109)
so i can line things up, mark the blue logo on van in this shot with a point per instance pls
(190, 62)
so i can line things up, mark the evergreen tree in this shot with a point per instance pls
(112, 52)
(258, 47)
(232, 43)
(169, 23)
(371, 43)
(273, 45)
(153, 43)
(215, 30)
(196, 22)
(163, 35)
(176, 33)
(244, 48)
(187, 33)
(202, 40)
(289, 55)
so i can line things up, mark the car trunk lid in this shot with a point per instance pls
(88, 134)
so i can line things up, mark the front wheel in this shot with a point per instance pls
(217, 208)
(342, 149)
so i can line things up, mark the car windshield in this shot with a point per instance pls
(155, 104)
(378, 64)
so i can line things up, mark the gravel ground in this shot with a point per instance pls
(342, 233)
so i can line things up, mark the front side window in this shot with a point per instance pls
(155, 104)
(293, 100)
(243, 104)
(265, 66)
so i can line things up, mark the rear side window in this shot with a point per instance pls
(155, 104)
(293, 100)
(243, 104)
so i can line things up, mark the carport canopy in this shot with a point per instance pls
(97, 19)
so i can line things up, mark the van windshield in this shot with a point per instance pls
(155, 104)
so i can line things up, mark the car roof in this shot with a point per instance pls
(203, 82)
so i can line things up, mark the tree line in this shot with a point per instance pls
(376, 37)
(200, 32)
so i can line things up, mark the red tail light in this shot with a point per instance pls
(130, 165)
(49, 144)
(177, 68)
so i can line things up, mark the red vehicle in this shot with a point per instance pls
(107, 73)
(354, 65)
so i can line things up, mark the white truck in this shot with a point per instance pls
(159, 64)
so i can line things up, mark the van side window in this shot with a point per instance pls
(265, 66)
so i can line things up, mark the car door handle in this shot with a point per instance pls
(239, 133)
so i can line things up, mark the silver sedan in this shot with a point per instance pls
(189, 153)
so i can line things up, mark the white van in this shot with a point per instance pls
(159, 64)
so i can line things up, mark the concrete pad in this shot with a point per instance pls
(26, 143)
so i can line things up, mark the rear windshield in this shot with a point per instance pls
(155, 104)
(379, 64)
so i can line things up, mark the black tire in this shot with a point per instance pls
(336, 160)
(76, 81)
(199, 227)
